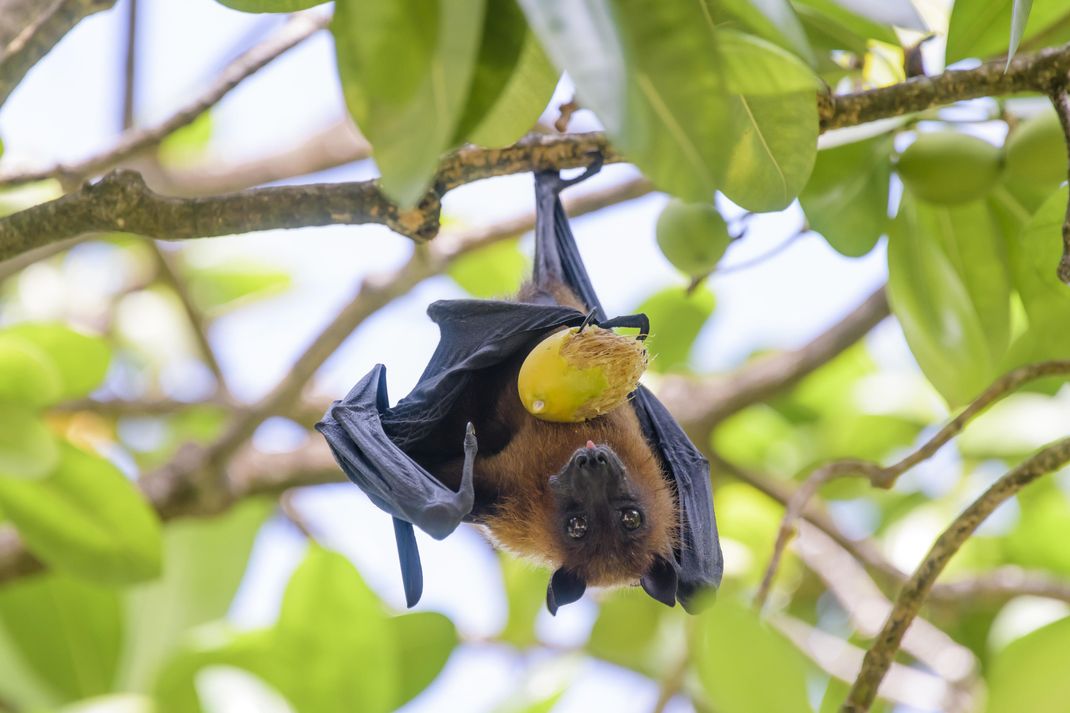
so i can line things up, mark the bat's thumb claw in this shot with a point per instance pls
(470, 439)
(470, 430)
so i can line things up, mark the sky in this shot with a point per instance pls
(68, 107)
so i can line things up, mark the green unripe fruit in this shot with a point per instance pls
(692, 236)
(1036, 150)
(948, 167)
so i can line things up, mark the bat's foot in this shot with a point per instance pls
(471, 446)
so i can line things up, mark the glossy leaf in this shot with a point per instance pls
(67, 631)
(933, 306)
(773, 152)
(87, 519)
(900, 13)
(28, 450)
(981, 28)
(846, 198)
(738, 656)
(270, 5)
(772, 20)
(522, 100)
(1029, 674)
(424, 642)
(755, 67)
(494, 271)
(648, 71)
(831, 21)
(204, 561)
(503, 38)
(1019, 16)
(675, 321)
(81, 359)
(394, 96)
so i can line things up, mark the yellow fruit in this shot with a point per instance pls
(693, 236)
(948, 167)
(575, 375)
(1036, 150)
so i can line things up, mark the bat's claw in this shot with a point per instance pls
(470, 443)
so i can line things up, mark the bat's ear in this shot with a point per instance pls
(660, 581)
(565, 587)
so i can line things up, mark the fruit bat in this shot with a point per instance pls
(621, 499)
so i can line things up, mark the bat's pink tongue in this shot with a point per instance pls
(590, 444)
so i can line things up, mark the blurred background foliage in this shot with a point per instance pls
(111, 366)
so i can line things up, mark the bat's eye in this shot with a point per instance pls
(577, 527)
(631, 518)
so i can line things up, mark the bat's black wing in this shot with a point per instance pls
(374, 443)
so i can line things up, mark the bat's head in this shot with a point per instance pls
(614, 522)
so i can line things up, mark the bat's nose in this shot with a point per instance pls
(590, 457)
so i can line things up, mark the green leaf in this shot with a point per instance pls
(204, 561)
(846, 198)
(675, 321)
(27, 375)
(774, 151)
(504, 34)
(270, 5)
(328, 617)
(1033, 543)
(900, 13)
(979, 28)
(424, 642)
(942, 316)
(525, 591)
(626, 630)
(834, 22)
(1029, 674)
(494, 271)
(66, 630)
(27, 447)
(522, 101)
(1019, 17)
(772, 20)
(82, 359)
(1034, 255)
(650, 73)
(422, 92)
(738, 656)
(86, 518)
(755, 67)
(221, 287)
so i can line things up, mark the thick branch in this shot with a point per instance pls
(122, 202)
(134, 141)
(1038, 72)
(29, 29)
(879, 657)
(1061, 101)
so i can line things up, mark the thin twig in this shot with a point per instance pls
(134, 141)
(198, 324)
(126, 109)
(1061, 101)
(879, 657)
(885, 476)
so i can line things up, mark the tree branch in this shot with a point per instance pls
(700, 404)
(134, 141)
(879, 657)
(1061, 101)
(1039, 72)
(29, 29)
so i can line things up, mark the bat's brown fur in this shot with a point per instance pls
(524, 518)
